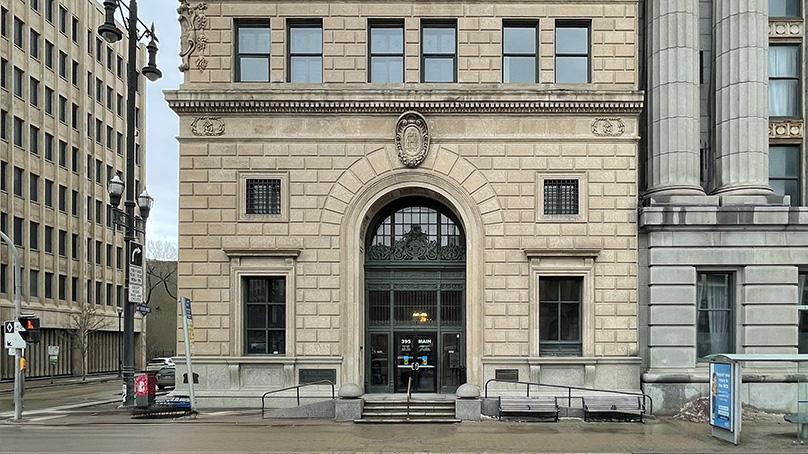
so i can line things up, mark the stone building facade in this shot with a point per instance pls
(364, 196)
(62, 137)
(723, 229)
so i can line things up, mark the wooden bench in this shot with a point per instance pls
(628, 408)
(538, 407)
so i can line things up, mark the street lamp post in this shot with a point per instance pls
(126, 218)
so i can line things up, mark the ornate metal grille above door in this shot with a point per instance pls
(417, 233)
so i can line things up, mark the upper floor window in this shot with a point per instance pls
(802, 343)
(784, 81)
(263, 196)
(519, 50)
(571, 54)
(252, 52)
(784, 8)
(306, 52)
(784, 171)
(560, 197)
(715, 322)
(438, 51)
(19, 37)
(386, 52)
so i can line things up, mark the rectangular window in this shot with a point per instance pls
(49, 101)
(49, 4)
(110, 97)
(48, 147)
(99, 297)
(3, 278)
(18, 235)
(265, 315)
(63, 20)
(33, 187)
(3, 177)
(19, 82)
(19, 176)
(802, 315)
(519, 50)
(99, 171)
(74, 31)
(63, 65)
(62, 287)
(19, 141)
(784, 81)
(34, 283)
(263, 196)
(74, 289)
(48, 285)
(62, 109)
(49, 239)
(48, 54)
(48, 193)
(74, 79)
(74, 203)
(252, 51)
(4, 22)
(33, 92)
(571, 54)
(784, 8)
(4, 73)
(560, 316)
(98, 252)
(438, 51)
(119, 258)
(784, 171)
(715, 315)
(560, 197)
(33, 135)
(3, 125)
(62, 154)
(74, 247)
(306, 52)
(109, 255)
(75, 162)
(34, 45)
(386, 52)
(19, 33)
(33, 235)
(62, 243)
(62, 198)
(109, 295)
(98, 209)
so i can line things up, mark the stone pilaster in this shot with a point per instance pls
(673, 95)
(741, 35)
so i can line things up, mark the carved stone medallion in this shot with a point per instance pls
(412, 139)
(608, 127)
(207, 126)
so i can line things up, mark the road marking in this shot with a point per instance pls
(222, 413)
(43, 411)
(45, 418)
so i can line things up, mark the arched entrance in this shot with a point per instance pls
(415, 285)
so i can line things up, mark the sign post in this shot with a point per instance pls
(725, 400)
(188, 332)
(19, 378)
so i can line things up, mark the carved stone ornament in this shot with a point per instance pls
(787, 129)
(208, 126)
(782, 28)
(608, 127)
(412, 139)
(193, 22)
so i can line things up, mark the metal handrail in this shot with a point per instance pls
(297, 392)
(409, 395)
(569, 391)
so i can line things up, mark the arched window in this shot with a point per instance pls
(418, 231)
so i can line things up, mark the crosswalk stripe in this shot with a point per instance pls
(45, 418)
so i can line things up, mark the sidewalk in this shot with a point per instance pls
(35, 383)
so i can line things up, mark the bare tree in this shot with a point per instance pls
(161, 250)
(84, 322)
(161, 274)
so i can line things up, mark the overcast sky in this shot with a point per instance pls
(162, 123)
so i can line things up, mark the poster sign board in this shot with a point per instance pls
(53, 355)
(725, 400)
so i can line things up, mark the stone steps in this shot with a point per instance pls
(403, 412)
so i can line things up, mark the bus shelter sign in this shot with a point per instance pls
(725, 400)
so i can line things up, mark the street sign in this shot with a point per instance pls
(53, 354)
(135, 273)
(143, 309)
(136, 254)
(11, 335)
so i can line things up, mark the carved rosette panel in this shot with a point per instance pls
(208, 127)
(193, 23)
(789, 129)
(786, 29)
(608, 127)
(412, 139)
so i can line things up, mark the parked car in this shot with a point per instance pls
(164, 369)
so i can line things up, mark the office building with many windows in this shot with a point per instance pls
(373, 192)
(62, 137)
(723, 226)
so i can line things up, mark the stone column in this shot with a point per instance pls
(741, 40)
(673, 97)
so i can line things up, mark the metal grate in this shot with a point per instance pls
(560, 197)
(264, 196)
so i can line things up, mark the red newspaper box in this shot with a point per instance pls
(145, 389)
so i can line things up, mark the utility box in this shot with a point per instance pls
(145, 390)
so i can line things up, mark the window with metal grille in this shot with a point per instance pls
(264, 196)
(560, 197)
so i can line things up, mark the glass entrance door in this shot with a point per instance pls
(416, 358)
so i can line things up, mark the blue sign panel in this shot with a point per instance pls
(721, 399)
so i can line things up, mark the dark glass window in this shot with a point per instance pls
(62, 65)
(784, 81)
(572, 54)
(33, 91)
(33, 187)
(784, 171)
(4, 73)
(561, 197)
(74, 289)
(18, 231)
(19, 33)
(715, 314)
(519, 50)
(48, 54)
(802, 314)
(560, 316)
(62, 287)
(263, 196)
(49, 101)
(34, 38)
(33, 235)
(265, 315)
(62, 198)
(438, 51)
(19, 176)
(49, 10)
(19, 82)
(18, 132)
(34, 283)
(33, 133)
(387, 52)
(48, 285)
(784, 8)
(48, 193)
(49, 239)
(62, 109)
(63, 20)
(252, 51)
(306, 52)
(62, 243)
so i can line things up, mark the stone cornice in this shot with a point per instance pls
(262, 252)
(371, 101)
(538, 253)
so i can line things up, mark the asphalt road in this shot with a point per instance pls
(62, 395)
(489, 436)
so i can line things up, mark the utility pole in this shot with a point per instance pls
(19, 378)
(132, 224)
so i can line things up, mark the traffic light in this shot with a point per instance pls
(30, 325)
